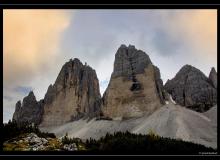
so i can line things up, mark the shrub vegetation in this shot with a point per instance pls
(117, 143)
(128, 143)
(12, 130)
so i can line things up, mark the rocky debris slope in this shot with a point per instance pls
(29, 111)
(191, 88)
(135, 87)
(171, 121)
(178, 122)
(74, 95)
(212, 114)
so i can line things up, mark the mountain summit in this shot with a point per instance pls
(191, 88)
(74, 95)
(135, 87)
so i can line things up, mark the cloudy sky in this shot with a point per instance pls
(36, 43)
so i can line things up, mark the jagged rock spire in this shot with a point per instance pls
(29, 111)
(213, 77)
(135, 87)
(75, 94)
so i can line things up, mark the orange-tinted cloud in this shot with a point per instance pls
(198, 28)
(30, 39)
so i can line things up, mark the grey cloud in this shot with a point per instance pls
(95, 35)
(8, 98)
(164, 43)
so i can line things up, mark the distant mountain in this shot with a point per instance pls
(191, 88)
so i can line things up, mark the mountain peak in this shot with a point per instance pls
(190, 71)
(131, 46)
(188, 66)
(30, 98)
(213, 70)
(129, 58)
(213, 77)
(123, 46)
(31, 94)
(134, 86)
(29, 111)
(75, 94)
(191, 88)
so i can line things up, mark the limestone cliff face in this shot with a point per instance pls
(29, 111)
(75, 94)
(191, 88)
(135, 87)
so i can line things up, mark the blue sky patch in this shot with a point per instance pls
(23, 89)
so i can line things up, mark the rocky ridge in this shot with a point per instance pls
(191, 88)
(74, 95)
(29, 111)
